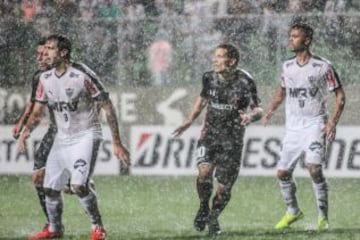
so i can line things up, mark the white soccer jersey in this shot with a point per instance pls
(307, 87)
(72, 98)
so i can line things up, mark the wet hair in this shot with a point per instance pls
(232, 51)
(306, 28)
(62, 43)
(41, 41)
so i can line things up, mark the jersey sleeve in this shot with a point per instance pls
(254, 99)
(40, 95)
(205, 85)
(331, 77)
(95, 88)
(92, 83)
(282, 77)
(34, 86)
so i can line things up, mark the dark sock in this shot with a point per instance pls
(204, 190)
(41, 194)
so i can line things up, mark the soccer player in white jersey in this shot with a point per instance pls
(76, 96)
(305, 81)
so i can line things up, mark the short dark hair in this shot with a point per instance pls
(62, 43)
(41, 41)
(306, 28)
(232, 51)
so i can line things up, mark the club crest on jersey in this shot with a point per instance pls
(69, 92)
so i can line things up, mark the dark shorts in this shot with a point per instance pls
(41, 154)
(225, 156)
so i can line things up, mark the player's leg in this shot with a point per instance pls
(315, 154)
(82, 167)
(204, 186)
(291, 150)
(38, 174)
(226, 173)
(55, 178)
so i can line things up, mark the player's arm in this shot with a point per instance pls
(256, 112)
(22, 119)
(253, 115)
(120, 150)
(197, 108)
(275, 103)
(339, 105)
(33, 120)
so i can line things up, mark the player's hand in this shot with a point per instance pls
(178, 131)
(330, 131)
(16, 130)
(122, 154)
(21, 145)
(266, 118)
(38, 177)
(245, 118)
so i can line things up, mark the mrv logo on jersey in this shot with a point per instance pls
(64, 106)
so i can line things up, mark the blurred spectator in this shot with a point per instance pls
(63, 18)
(98, 50)
(87, 9)
(275, 28)
(133, 10)
(239, 7)
(335, 19)
(108, 9)
(29, 9)
(159, 61)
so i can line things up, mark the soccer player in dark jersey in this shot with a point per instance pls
(305, 82)
(76, 95)
(45, 145)
(230, 97)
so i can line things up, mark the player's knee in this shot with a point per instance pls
(223, 192)
(283, 175)
(51, 192)
(205, 173)
(316, 173)
(80, 190)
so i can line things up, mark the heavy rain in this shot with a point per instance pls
(150, 56)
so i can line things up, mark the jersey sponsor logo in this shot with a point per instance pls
(330, 78)
(317, 65)
(289, 64)
(64, 106)
(47, 75)
(315, 146)
(40, 91)
(212, 92)
(80, 165)
(73, 75)
(303, 92)
(220, 106)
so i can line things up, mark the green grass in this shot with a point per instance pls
(163, 208)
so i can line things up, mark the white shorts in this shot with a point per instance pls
(310, 140)
(73, 160)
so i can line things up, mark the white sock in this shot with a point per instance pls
(321, 195)
(288, 190)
